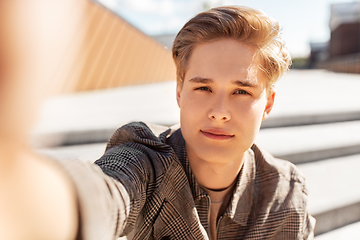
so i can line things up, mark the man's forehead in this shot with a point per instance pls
(225, 59)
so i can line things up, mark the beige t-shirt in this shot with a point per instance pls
(219, 201)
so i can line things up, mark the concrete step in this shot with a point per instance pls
(102, 133)
(310, 119)
(348, 232)
(91, 117)
(334, 192)
(311, 95)
(303, 97)
(313, 142)
(86, 152)
(297, 144)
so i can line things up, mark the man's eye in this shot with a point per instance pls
(203, 89)
(241, 92)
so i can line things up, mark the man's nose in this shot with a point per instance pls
(219, 110)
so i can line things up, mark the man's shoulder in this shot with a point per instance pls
(140, 132)
(280, 181)
(138, 145)
(267, 164)
(280, 193)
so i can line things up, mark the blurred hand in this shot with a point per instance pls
(37, 201)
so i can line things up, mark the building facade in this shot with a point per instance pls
(343, 49)
(113, 53)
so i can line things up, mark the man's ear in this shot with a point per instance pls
(178, 93)
(269, 104)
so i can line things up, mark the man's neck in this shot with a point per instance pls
(215, 175)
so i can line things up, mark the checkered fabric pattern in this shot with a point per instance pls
(152, 193)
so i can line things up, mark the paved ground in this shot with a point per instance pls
(312, 142)
(349, 232)
(316, 91)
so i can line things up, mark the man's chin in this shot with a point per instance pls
(219, 156)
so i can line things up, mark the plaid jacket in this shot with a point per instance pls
(155, 195)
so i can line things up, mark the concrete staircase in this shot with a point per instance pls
(329, 156)
(315, 124)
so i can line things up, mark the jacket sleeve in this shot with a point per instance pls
(309, 227)
(103, 203)
(131, 169)
(136, 158)
(112, 192)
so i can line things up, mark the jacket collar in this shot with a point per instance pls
(241, 202)
(177, 142)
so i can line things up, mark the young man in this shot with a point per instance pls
(208, 179)
(205, 180)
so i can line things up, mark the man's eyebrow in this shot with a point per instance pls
(244, 83)
(201, 80)
(209, 80)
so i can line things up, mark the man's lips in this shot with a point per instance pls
(216, 134)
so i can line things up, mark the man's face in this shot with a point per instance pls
(222, 101)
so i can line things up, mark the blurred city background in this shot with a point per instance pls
(123, 71)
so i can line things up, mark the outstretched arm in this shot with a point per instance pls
(37, 199)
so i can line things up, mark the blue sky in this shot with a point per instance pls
(302, 21)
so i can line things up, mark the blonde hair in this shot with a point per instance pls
(246, 25)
